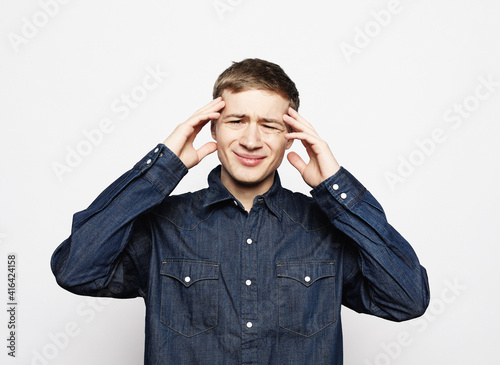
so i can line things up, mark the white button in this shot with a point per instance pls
(187, 279)
(335, 187)
(248, 282)
(148, 161)
(307, 279)
(343, 195)
(249, 324)
(235, 202)
(161, 154)
(156, 150)
(249, 241)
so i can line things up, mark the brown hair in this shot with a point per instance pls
(254, 73)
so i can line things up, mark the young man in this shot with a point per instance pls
(244, 271)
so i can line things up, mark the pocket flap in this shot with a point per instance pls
(189, 272)
(305, 272)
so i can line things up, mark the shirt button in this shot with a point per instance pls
(343, 195)
(249, 241)
(156, 150)
(235, 202)
(187, 279)
(307, 279)
(248, 282)
(335, 187)
(249, 324)
(148, 161)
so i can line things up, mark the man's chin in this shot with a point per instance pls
(247, 178)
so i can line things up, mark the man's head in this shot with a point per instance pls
(257, 74)
(250, 132)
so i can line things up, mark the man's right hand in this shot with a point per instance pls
(181, 140)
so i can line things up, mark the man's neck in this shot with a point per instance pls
(245, 193)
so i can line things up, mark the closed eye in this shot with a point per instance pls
(273, 127)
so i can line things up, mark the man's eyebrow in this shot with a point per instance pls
(235, 115)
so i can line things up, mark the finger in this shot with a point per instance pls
(305, 138)
(187, 131)
(209, 105)
(296, 161)
(198, 126)
(215, 104)
(297, 125)
(199, 121)
(206, 149)
(295, 114)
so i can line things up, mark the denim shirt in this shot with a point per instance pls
(224, 286)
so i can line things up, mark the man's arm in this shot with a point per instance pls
(382, 274)
(108, 251)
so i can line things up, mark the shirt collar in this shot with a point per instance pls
(217, 192)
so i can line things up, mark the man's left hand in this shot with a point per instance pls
(322, 164)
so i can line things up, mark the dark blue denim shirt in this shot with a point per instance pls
(224, 286)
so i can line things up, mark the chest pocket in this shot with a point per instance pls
(189, 296)
(307, 299)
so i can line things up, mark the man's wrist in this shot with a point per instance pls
(339, 192)
(162, 168)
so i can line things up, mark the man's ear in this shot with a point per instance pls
(289, 144)
(213, 126)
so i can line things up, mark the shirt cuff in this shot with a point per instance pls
(345, 190)
(162, 168)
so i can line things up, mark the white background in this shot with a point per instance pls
(64, 65)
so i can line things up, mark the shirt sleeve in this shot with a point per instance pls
(108, 251)
(382, 274)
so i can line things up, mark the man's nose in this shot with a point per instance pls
(251, 138)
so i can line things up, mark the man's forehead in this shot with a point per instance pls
(261, 103)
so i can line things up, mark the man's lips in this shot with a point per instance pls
(249, 160)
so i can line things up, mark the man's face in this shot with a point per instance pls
(250, 138)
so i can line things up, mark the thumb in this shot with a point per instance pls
(206, 149)
(296, 161)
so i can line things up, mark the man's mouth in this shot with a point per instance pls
(249, 160)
